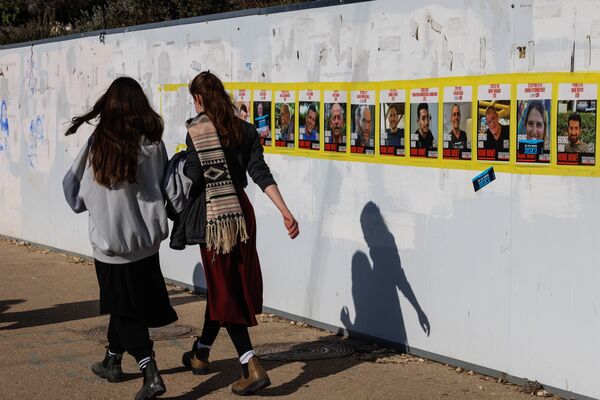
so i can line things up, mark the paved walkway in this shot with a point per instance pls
(50, 334)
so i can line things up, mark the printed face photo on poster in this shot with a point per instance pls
(335, 123)
(309, 121)
(576, 132)
(392, 124)
(262, 118)
(424, 138)
(284, 121)
(533, 130)
(457, 126)
(242, 109)
(493, 136)
(363, 125)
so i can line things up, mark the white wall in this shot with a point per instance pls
(506, 277)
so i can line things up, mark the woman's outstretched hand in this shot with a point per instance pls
(291, 224)
(288, 219)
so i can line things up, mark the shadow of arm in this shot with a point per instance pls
(407, 291)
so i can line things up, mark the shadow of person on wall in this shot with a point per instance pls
(375, 287)
(378, 315)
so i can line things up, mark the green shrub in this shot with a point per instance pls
(24, 21)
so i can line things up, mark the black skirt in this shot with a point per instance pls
(135, 289)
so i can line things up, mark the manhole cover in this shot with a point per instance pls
(163, 333)
(320, 350)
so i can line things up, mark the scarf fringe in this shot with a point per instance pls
(223, 228)
(221, 236)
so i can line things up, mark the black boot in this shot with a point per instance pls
(197, 359)
(109, 368)
(153, 383)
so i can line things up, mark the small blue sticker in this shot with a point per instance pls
(534, 146)
(484, 178)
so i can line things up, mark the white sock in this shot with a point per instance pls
(199, 345)
(143, 362)
(247, 356)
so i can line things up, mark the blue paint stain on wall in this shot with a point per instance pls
(36, 135)
(4, 128)
(39, 128)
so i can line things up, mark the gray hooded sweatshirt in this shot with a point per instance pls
(128, 222)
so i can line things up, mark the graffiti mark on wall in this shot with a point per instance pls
(4, 129)
(37, 140)
(31, 73)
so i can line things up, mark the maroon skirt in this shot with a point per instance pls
(233, 280)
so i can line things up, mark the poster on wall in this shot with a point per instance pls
(336, 110)
(241, 101)
(424, 113)
(262, 115)
(285, 118)
(576, 123)
(308, 106)
(533, 122)
(458, 121)
(392, 123)
(493, 114)
(362, 138)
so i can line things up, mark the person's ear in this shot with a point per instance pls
(198, 100)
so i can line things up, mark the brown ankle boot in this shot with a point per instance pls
(197, 359)
(257, 379)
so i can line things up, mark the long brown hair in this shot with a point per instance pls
(218, 107)
(125, 116)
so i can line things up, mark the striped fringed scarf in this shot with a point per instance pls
(224, 217)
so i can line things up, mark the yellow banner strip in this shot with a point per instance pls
(511, 166)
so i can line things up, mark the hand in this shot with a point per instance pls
(345, 317)
(424, 323)
(291, 225)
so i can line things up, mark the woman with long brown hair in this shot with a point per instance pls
(227, 148)
(116, 177)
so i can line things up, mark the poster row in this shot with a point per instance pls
(430, 122)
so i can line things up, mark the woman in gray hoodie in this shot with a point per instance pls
(116, 177)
